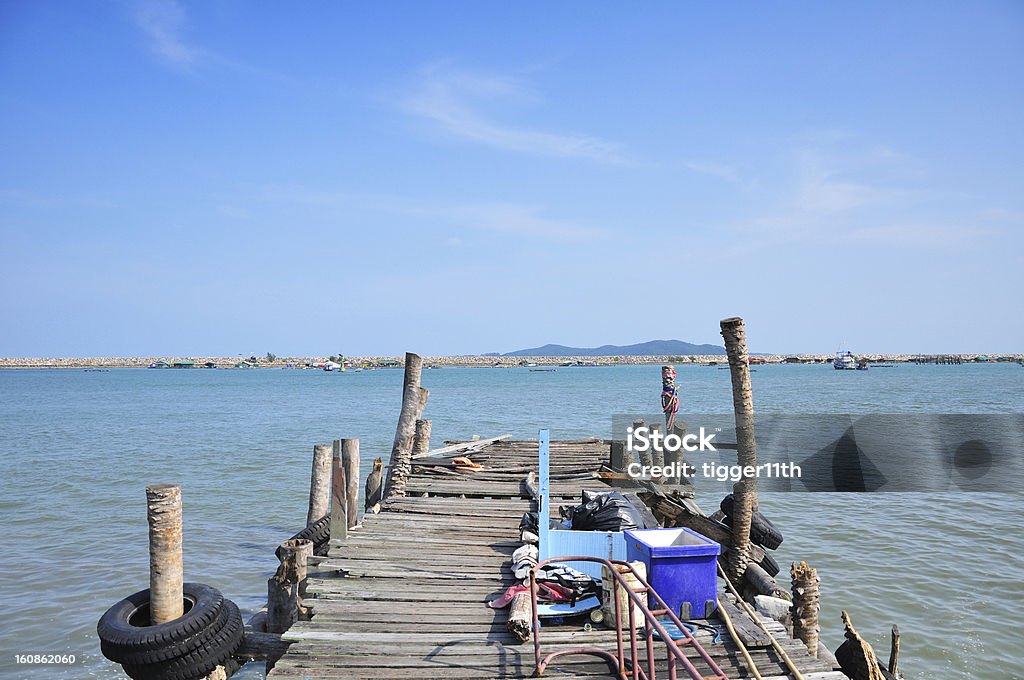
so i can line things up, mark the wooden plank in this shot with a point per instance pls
(462, 447)
(750, 633)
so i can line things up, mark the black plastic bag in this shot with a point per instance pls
(528, 522)
(603, 511)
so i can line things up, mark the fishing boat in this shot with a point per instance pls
(844, 362)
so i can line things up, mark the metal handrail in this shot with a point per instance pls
(675, 654)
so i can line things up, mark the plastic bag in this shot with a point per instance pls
(577, 584)
(528, 522)
(603, 511)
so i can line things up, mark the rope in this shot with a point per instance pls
(736, 638)
(797, 675)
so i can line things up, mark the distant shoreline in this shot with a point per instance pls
(475, 361)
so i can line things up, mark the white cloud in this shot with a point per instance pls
(452, 101)
(929, 235)
(163, 21)
(836, 185)
(822, 189)
(515, 219)
(519, 220)
(713, 169)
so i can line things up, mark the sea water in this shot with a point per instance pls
(79, 447)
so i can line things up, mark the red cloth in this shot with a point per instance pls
(546, 592)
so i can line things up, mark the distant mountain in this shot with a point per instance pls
(650, 348)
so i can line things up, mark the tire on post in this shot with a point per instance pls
(319, 532)
(207, 635)
(762, 531)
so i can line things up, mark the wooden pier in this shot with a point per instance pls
(403, 596)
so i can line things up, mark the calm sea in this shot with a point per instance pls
(79, 447)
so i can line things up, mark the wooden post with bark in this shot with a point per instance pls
(350, 462)
(414, 400)
(166, 570)
(339, 496)
(284, 601)
(894, 652)
(855, 655)
(744, 491)
(806, 604)
(421, 438)
(319, 483)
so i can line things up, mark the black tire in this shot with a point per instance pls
(769, 565)
(124, 628)
(181, 647)
(198, 662)
(762, 531)
(319, 532)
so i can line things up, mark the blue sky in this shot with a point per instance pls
(461, 177)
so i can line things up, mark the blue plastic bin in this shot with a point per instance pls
(681, 567)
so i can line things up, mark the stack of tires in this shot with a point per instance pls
(762, 532)
(189, 647)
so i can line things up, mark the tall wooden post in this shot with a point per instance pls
(320, 483)
(670, 407)
(806, 604)
(744, 491)
(350, 461)
(414, 400)
(166, 570)
(339, 496)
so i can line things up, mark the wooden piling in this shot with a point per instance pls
(617, 456)
(350, 462)
(744, 491)
(657, 453)
(339, 496)
(284, 604)
(644, 456)
(421, 438)
(806, 604)
(319, 483)
(414, 400)
(894, 652)
(294, 555)
(855, 655)
(166, 570)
